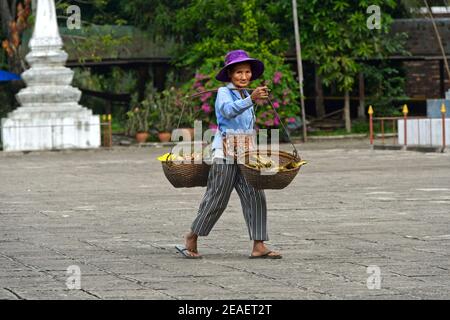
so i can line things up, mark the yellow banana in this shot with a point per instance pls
(166, 157)
(172, 157)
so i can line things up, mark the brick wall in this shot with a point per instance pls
(423, 79)
(423, 76)
(421, 36)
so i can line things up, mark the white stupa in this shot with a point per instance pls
(49, 117)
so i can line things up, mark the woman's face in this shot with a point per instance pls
(241, 74)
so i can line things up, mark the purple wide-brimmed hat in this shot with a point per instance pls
(239, 56)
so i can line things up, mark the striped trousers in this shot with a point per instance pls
(222, 179)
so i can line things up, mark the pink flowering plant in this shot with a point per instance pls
(283, 94)
(207, 58)
(203, 106)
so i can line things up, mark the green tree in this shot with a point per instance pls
(333, 32)
(229, 25)
(158, 17)
(336, 37)
(95, 39)
(16, 18)
(100, 12)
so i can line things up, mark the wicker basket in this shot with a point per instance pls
(186, 175)
(278, 180)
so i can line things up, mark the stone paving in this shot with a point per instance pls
(112, 214)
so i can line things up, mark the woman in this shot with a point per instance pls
(234, 111)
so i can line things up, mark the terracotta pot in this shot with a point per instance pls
(190, 133)
(142, 137)
(164, 136)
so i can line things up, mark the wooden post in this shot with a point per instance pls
(443, 111)
(299, 66)
(405, 118)
(441, 79)
(362, 97)
(394, 130)
(347, 116)
(371, 124)
(103, 130)
(320, 108)
(109, 130)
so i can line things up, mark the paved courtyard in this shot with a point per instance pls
(350, 216)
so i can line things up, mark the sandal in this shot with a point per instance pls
(184, 251)
(266, 255)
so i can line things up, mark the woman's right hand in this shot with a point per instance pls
(260, 93)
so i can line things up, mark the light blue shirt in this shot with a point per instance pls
(233, 113)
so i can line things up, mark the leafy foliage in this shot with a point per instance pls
(138, 117)
(101, 12)
(336, 37)
(159, 110)
(386, 86)
(333, 32)
(116, 81)
(92, 41)
(231, 25)
(168, 105)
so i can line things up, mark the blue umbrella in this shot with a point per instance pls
(8, 76)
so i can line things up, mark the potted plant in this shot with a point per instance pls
(138, 120)
(168, 111)
(189, 115)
